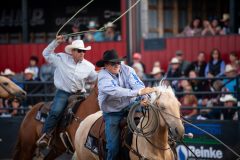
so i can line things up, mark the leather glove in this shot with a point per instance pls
(146, 90)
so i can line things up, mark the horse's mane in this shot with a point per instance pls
(162, 88)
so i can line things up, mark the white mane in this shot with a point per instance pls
(162, 88)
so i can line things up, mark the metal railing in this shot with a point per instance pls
(45, 91)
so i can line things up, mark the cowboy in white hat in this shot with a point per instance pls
(110, 33)
(230, 72)
(7, 72)
(70, 75)
(29, 74)
(93, 35)
(229, 101)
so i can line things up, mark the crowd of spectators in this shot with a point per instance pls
(178, 68)
(217, 77)
(93, 35)
(207, 27)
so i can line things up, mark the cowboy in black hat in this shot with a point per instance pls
(118, 84)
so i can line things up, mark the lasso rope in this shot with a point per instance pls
(209, 134)
(99, 30)
(153, 120)
(73, 16)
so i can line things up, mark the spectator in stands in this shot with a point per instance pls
(234, 61)
(30, 88)
(110, 33)
(93, 35)
(139, 70)
(70, 76)
(183, 63)
(33, 65)
(215, 26)
(225, 24)
(230, 84)
(189, 100)
(10, 74)
(174, 70)
(75, 28)
(194, 29)
(229, 114)
(14, 105)
(216, 66)
(207, 29)
(46, 72)
(137, 58)
(197, 85)
(157, 73)
(198, 66)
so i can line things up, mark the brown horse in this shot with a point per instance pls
(30, 129)
(9, 89)
(155, 146)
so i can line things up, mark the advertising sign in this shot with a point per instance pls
(205, 147)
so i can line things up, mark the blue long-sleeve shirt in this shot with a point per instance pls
(117, 91)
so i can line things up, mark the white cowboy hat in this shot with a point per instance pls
(29, 71)
(225, 17)
(229, 68)
(228, 97)
(8, 72)
(109, 24)
(156, 70)
(92, 24)
(174, 60)
(77, 44)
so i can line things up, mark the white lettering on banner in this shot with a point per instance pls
(37, 17)
(206, 153)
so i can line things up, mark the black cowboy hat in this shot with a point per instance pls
(109, 56)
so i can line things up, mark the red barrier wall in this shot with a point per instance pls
(191, 47)
(16, 56)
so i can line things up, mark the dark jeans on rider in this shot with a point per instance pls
(56, 111)
(113, 131)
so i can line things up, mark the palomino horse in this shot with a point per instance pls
(155, 146)
(9, 89)
(30, 129)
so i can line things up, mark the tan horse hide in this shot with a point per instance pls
(96, 139)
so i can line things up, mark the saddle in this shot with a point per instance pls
(96, 139)
(74, 102)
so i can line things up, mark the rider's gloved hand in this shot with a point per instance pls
(146, 90)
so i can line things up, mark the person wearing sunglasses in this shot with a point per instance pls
(118, 87)
(72, 70)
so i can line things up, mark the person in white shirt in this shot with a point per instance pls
(72, 70)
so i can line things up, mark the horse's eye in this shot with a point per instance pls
(5, 83)
(162, 107)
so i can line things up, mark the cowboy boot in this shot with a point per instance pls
(44, 140)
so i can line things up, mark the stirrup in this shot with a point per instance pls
(44, 141)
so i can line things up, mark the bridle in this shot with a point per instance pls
(156, 108)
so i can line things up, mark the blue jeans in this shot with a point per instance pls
(56, 111)
(112, 132)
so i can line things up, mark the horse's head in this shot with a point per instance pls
(10, 89)
(168, 108)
